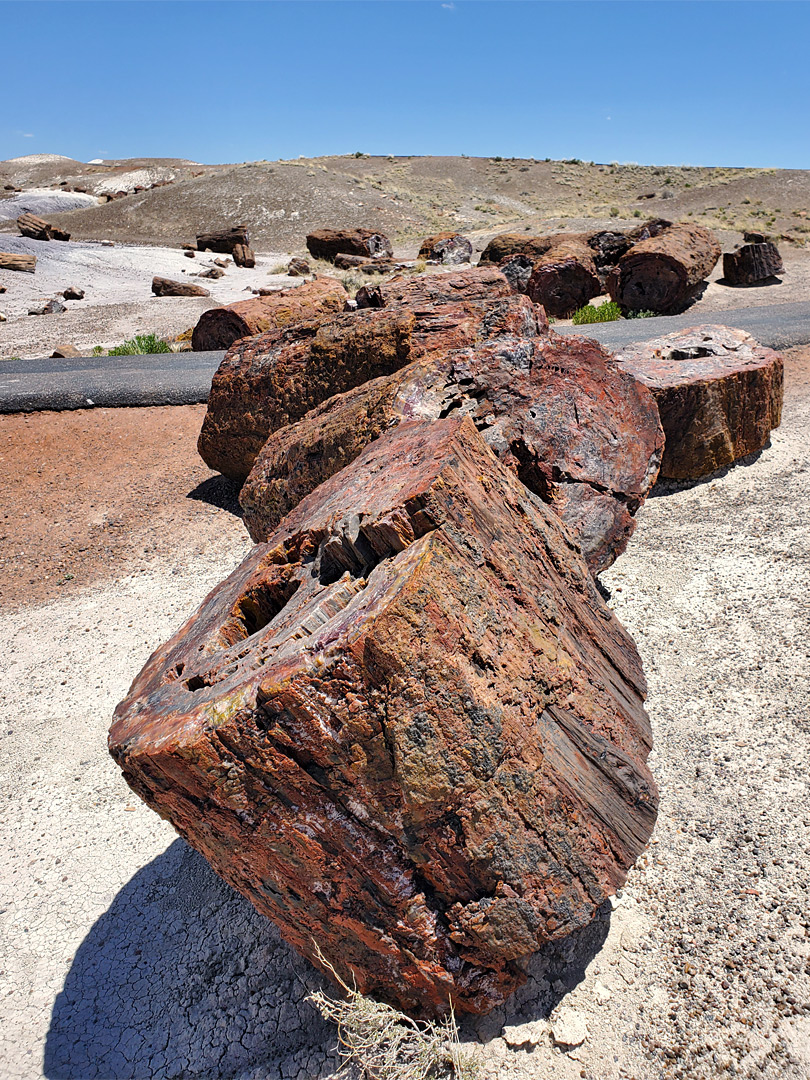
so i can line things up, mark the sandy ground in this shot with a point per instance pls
(124, 957)
(118, 300)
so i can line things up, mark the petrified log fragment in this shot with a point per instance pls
(752, 263)
(449, 248)
(162, 286)
(502, 246)
(517, 270)
(478, 283)
(653, 227)
(348, 262)
(608, 247)
(719, 394)
(272, 380)
(565, 278)
(407, 728)
(25, 263)
(662, 273)
(327, 243)
(298, 268)
(37, 229)
(244, 256)
(223, 241)
(219, 328)
(580, 434)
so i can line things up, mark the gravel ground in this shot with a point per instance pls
(124, 957)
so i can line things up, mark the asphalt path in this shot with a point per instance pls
(185, 378)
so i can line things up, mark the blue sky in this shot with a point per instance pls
(701, 82)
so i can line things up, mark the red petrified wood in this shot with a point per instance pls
(719, 394)
(407, 728)
(582, 435)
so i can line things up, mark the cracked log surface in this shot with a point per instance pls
(272, 380)
(407, 728)
(719, 394)
(580, 434)
(475, 283)
(220, 327)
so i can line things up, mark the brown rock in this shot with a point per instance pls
(719, 394)
(25, 263)
(219, 328)
(224, 241)
(64, 352)
(244, 256)
(408, 729)
(565, 278)
(298, 268)
(213, 272)
(2, 288)
(478, 283)
(162, 286)
(449, 248)
(267, 382)
(664, 272)
(554, 409)
(49, 307)
(349, 262)
(38, 229)
(327, 243)
(73, 293)
(222, 263)
(752, 264)
(506, 244)
(189, 253)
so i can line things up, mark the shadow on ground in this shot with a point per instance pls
(182, 980)
(218, 491)
(666, 487)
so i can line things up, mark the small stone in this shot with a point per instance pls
(602, 993)
(531, 1034)
(298, 268)
(568, 1028)
(73, 293)
(3, 317)
(62, 352)
(189, 254)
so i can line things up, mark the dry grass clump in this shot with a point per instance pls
(385, 1044)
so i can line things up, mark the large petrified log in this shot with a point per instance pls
(752, 263)
(505, 244)
(718, 391)
(580, 434)
(326, 243)
(475, 283)
(37, 229)
(565, 277)
(162, 286)
(272, 380)
(223, 241)
(663, 272)
(449, 248)
(219, 328)
(407, 729)
(25, 263)
(244, 256)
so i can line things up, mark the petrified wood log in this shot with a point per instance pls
(38, 229)
(162, 286)
(580, 434)
(752, 263)
(719, 394)
(517, 269)
(274, 379)
(244, 256)
(476, 283)
(505, 244)
(219, 328)
(407, 729)
(25, 263)
(662, 273)
(653, 227)
(565, 278)
(326, 243)
(223, 241)
(607, 248)
(449, 248)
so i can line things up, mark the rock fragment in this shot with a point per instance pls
(72, 292)
(327, 243)
(298, 268)
(166, 287)
(752, 263)
(449, 248)
(719, 395)
(408, 728)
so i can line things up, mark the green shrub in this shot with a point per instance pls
(606, 312)
(97, 351)
(614, 211)
(140, 345)
(645, 314)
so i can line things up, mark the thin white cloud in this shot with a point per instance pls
(449, 7)
(25, 135)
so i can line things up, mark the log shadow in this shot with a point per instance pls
(665, 487)
(749, 284)
(182, 978)
(218, 491)
(552, 974)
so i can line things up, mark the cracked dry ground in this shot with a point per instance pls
(123, 956)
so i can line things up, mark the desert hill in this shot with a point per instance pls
(406, 197)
